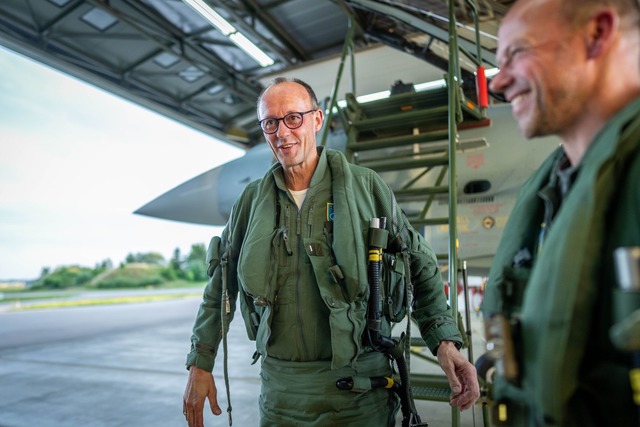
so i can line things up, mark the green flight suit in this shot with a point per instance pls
(571, 375)
(306, 323)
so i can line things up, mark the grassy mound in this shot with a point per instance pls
(135, 275)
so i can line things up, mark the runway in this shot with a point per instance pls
(123, 365)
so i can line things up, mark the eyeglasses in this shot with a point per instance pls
(291, 120)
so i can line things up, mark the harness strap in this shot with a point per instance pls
(225, 310)
(400, 234)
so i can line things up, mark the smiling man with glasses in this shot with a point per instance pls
(293, 144)
(295, 252)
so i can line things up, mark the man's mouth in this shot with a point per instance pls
(516, 100)
(286, 146)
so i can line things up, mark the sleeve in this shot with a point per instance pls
(222, 257)
(430, 310)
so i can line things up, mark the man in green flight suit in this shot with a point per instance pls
(296, 249)
(569, 68)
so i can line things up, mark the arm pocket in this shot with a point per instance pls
(395, 294)
(213, 255)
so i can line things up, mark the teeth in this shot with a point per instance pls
(286, 146)
(515, 101)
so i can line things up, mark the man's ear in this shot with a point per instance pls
(601, 29)
(319, 116)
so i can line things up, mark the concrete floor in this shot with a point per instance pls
(123, 365)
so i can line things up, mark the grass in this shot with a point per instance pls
(60, 299)
(106, 301)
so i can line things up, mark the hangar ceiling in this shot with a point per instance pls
(165, 56)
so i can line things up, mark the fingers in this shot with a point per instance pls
(213, 401)
(200, 386)
(461, 374)
(192, 415)
(469, 389)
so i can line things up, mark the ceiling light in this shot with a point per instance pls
(230, 31)
(374, 96)
(430, 85)
(251, 49)
(491, 72)
(212, 16)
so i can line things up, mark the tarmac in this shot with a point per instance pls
(123, 365)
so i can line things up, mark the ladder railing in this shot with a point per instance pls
(401, 137)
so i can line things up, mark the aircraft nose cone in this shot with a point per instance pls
(208, 198)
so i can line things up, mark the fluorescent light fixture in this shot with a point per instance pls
(386, 93)
(230, 31)
(367, 98)
(373, 96)
(418, 87)
(212, 16)
(491, 72)
(430, 85)
(251, 49)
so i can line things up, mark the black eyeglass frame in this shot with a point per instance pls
(282, 119)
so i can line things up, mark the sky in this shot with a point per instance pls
(77, 161)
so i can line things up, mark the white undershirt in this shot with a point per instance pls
(298, 196)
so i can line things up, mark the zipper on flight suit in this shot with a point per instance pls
(300, 249)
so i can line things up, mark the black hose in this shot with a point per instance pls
(381, 343)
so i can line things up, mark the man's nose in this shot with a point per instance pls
(498, 84)
(283, 130)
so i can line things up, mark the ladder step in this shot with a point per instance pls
(404, 119)
(428, 221)
(397, 141)
(430, 380)
(435, 394)
(401, 102)
(413, 193)
(442, 257)
(471, 112)
(417, 342)
(430, 387)
(382, 166)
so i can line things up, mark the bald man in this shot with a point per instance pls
(296, 246)
(570, 68)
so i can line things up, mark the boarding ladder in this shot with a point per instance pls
(411, 138)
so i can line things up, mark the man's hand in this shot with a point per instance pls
(200, 386)
(462, 375)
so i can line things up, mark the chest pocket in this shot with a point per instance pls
(318, 253)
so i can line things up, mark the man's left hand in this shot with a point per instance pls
(461, 374)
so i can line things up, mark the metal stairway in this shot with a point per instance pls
(404, 138)
(407, 140)
(410, 138)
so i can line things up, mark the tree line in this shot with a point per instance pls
(138, 270)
